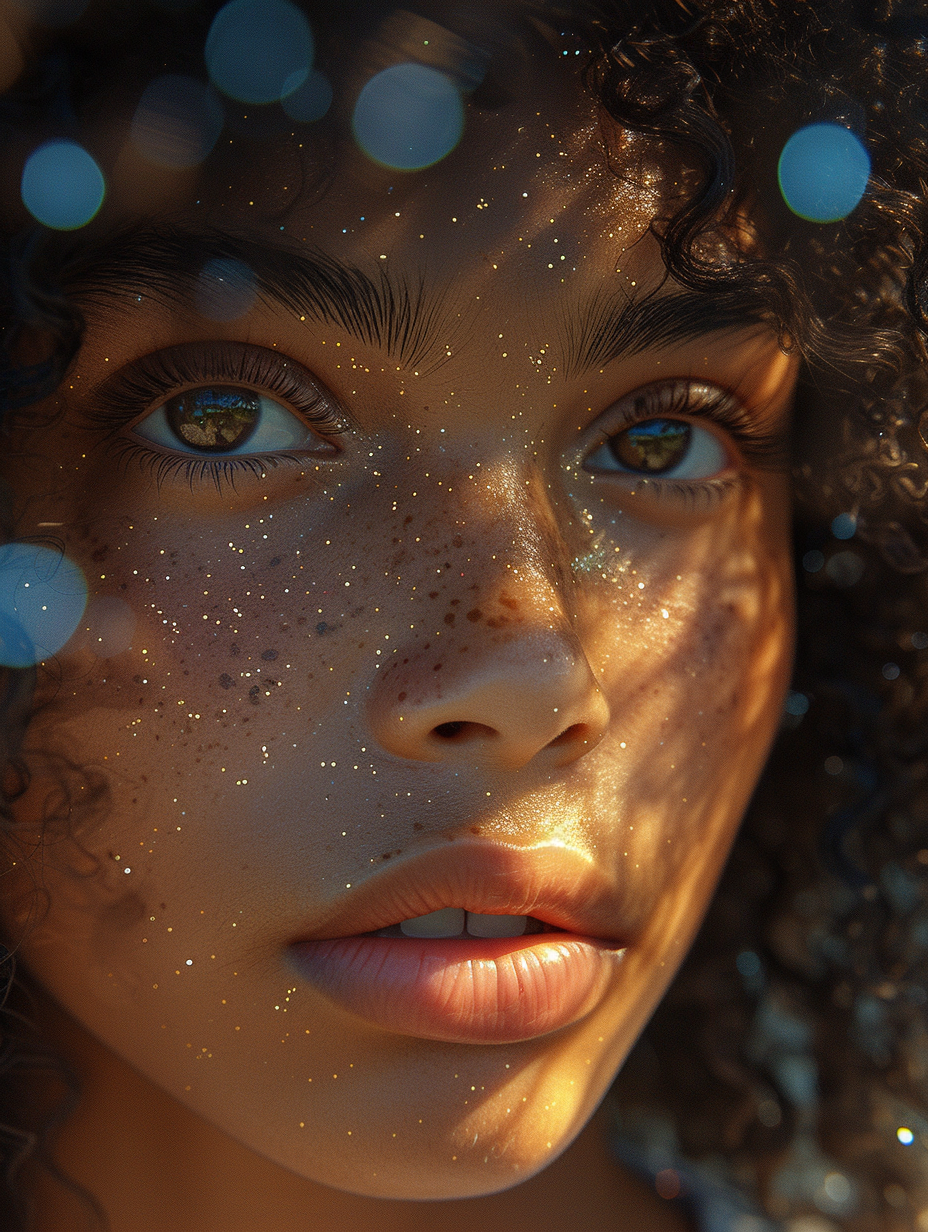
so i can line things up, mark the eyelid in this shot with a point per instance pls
(742, 432)
(128, 396)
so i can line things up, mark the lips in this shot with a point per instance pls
(465, 988)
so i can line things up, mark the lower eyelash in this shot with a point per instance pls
(221, 471)
(694, 493)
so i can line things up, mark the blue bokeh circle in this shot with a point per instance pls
(42, 600)
(259, 51)
(62, 186)
(408, 116)
(823, 172)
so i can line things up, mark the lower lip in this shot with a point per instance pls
(466, 991)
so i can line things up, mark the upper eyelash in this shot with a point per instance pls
(149, 382)
(765, 450)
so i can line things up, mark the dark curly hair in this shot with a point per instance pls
(807, 986)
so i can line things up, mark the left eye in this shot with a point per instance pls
(225, 419)
(664, 448)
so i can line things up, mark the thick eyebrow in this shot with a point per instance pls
(609, 326)
(402, 317)
(412, 322)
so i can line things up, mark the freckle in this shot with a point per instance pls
(433, 594)
(506, 601)
(455, 602)
(401, 697)
(269, 655)
(449, 618)
(457, 541)
(474, 614)
(407, 519)
(437, 667)
(226, 681)
(417, 825)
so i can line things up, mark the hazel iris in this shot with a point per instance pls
(654, 446)
(217, 420)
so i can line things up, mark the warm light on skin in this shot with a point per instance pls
(250, 740)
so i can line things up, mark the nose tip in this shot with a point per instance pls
(502, 711)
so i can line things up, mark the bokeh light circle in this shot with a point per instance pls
(42, 600)
(259, 51)
(408, 116)
(823, 172)
(311, 101)
(177, 122)
(62, 186)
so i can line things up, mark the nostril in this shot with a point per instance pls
(460, 729)
(575, 734)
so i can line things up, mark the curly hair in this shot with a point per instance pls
(808, 982)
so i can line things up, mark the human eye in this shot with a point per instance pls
(207, 410)
(681, 437)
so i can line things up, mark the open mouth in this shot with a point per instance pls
(456, 922)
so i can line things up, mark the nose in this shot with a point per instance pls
(509, 684)
(502, 707)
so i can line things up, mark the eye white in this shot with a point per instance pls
(705, 457)
(276, 429)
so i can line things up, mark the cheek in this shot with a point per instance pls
(694, 654)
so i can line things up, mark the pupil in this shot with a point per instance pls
(654, 446)
(215, 420)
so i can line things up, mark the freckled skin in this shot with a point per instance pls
(271, 736)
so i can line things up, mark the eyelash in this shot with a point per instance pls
(694, 401)
(150, 382)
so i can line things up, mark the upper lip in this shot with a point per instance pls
(558, 885)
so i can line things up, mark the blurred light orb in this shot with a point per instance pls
(225, 289)
(42, 600)
(823, 172)
(408, 116)
(259, 51)
(844, 526)
(62, 186)
(177, 122)
(311, 101)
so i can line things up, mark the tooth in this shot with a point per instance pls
(449, 922)
(479, 925)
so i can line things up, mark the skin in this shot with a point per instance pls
(230, 822)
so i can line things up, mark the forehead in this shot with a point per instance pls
(529, 187)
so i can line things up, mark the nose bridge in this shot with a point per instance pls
(518, 548)
(499, 672)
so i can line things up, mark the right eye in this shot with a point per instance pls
(668, 448)
(226, 419)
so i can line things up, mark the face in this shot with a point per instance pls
(473, 601)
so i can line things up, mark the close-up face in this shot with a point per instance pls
(432, 568)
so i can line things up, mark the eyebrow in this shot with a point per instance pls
(610, 326)
(408, 319)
